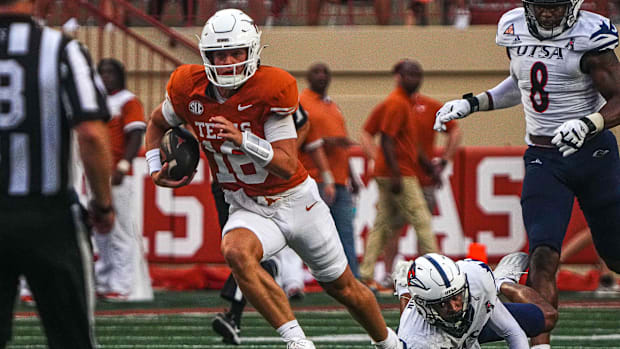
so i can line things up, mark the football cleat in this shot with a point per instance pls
(510, 268)
(224, 325)
(300, 343)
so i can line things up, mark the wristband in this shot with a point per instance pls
(474, 104)
(257, 149)
(594, 122)
(328, 178)
(153, 159)
(123, 166)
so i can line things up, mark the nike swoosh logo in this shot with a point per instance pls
(244, 107)
(308, 208)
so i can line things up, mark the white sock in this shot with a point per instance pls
(291, 330)
(391, 342)
(541, 346)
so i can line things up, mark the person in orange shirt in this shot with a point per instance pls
(400, 196)
(241, 112)
(424, 110)
(121, 272)
(327, 129)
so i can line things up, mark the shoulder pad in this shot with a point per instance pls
(512, 29)
(593, 32)
(275, 86)
(182, 78)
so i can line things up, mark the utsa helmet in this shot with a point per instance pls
(230, 29)
(180, 150)
(568, 20)
(432, 280)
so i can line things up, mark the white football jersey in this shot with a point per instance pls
(419, 334)
(553, 87)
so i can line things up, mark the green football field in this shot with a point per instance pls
(183, 320)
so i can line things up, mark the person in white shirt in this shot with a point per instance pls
(455, 305)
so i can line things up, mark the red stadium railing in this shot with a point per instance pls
(148, 66)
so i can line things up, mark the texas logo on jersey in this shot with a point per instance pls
(270, 91)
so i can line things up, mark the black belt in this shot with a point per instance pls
(542, 141)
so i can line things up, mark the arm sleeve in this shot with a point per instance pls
(278, 128)
(174, 96)
(133, 116)
(82, 89)
(502, 323)
(506, 94)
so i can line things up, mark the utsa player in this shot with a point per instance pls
(455, 305)
(564, 71)
(241, 113)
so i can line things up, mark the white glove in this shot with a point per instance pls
(399, 276)
(570, 136)
(456, 109)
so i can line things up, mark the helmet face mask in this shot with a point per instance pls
(544, 31)
(228, 30)
(434, 281)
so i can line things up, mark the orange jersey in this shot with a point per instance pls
(394, 117)
(127, 115)
(424, 110)
(271, 90)
(326, 120)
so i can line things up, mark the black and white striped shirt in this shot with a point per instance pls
(47, 85)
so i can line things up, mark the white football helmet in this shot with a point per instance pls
(570, 17)
(434, 279)
(230, 29)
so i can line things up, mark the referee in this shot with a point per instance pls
(47, 88)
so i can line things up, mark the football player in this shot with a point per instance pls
(564, 71)
(241, 112)
(455, 305)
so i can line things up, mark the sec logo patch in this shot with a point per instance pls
(196, 108)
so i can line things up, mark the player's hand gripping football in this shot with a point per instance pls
(456, 109)
(570, 136)
(161, 178)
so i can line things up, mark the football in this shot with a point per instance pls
(180, 150)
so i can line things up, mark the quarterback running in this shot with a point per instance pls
(241, 111)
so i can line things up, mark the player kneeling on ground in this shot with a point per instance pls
(455, 305)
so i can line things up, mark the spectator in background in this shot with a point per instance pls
(156, 9)
(424, 111)
(607, 281)
(121, 272)
(327, 129)
(382, 10)
(206, 8)
(400, 196)
(68, 15)
(110, 9)
(43, 235)
(417, 12)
